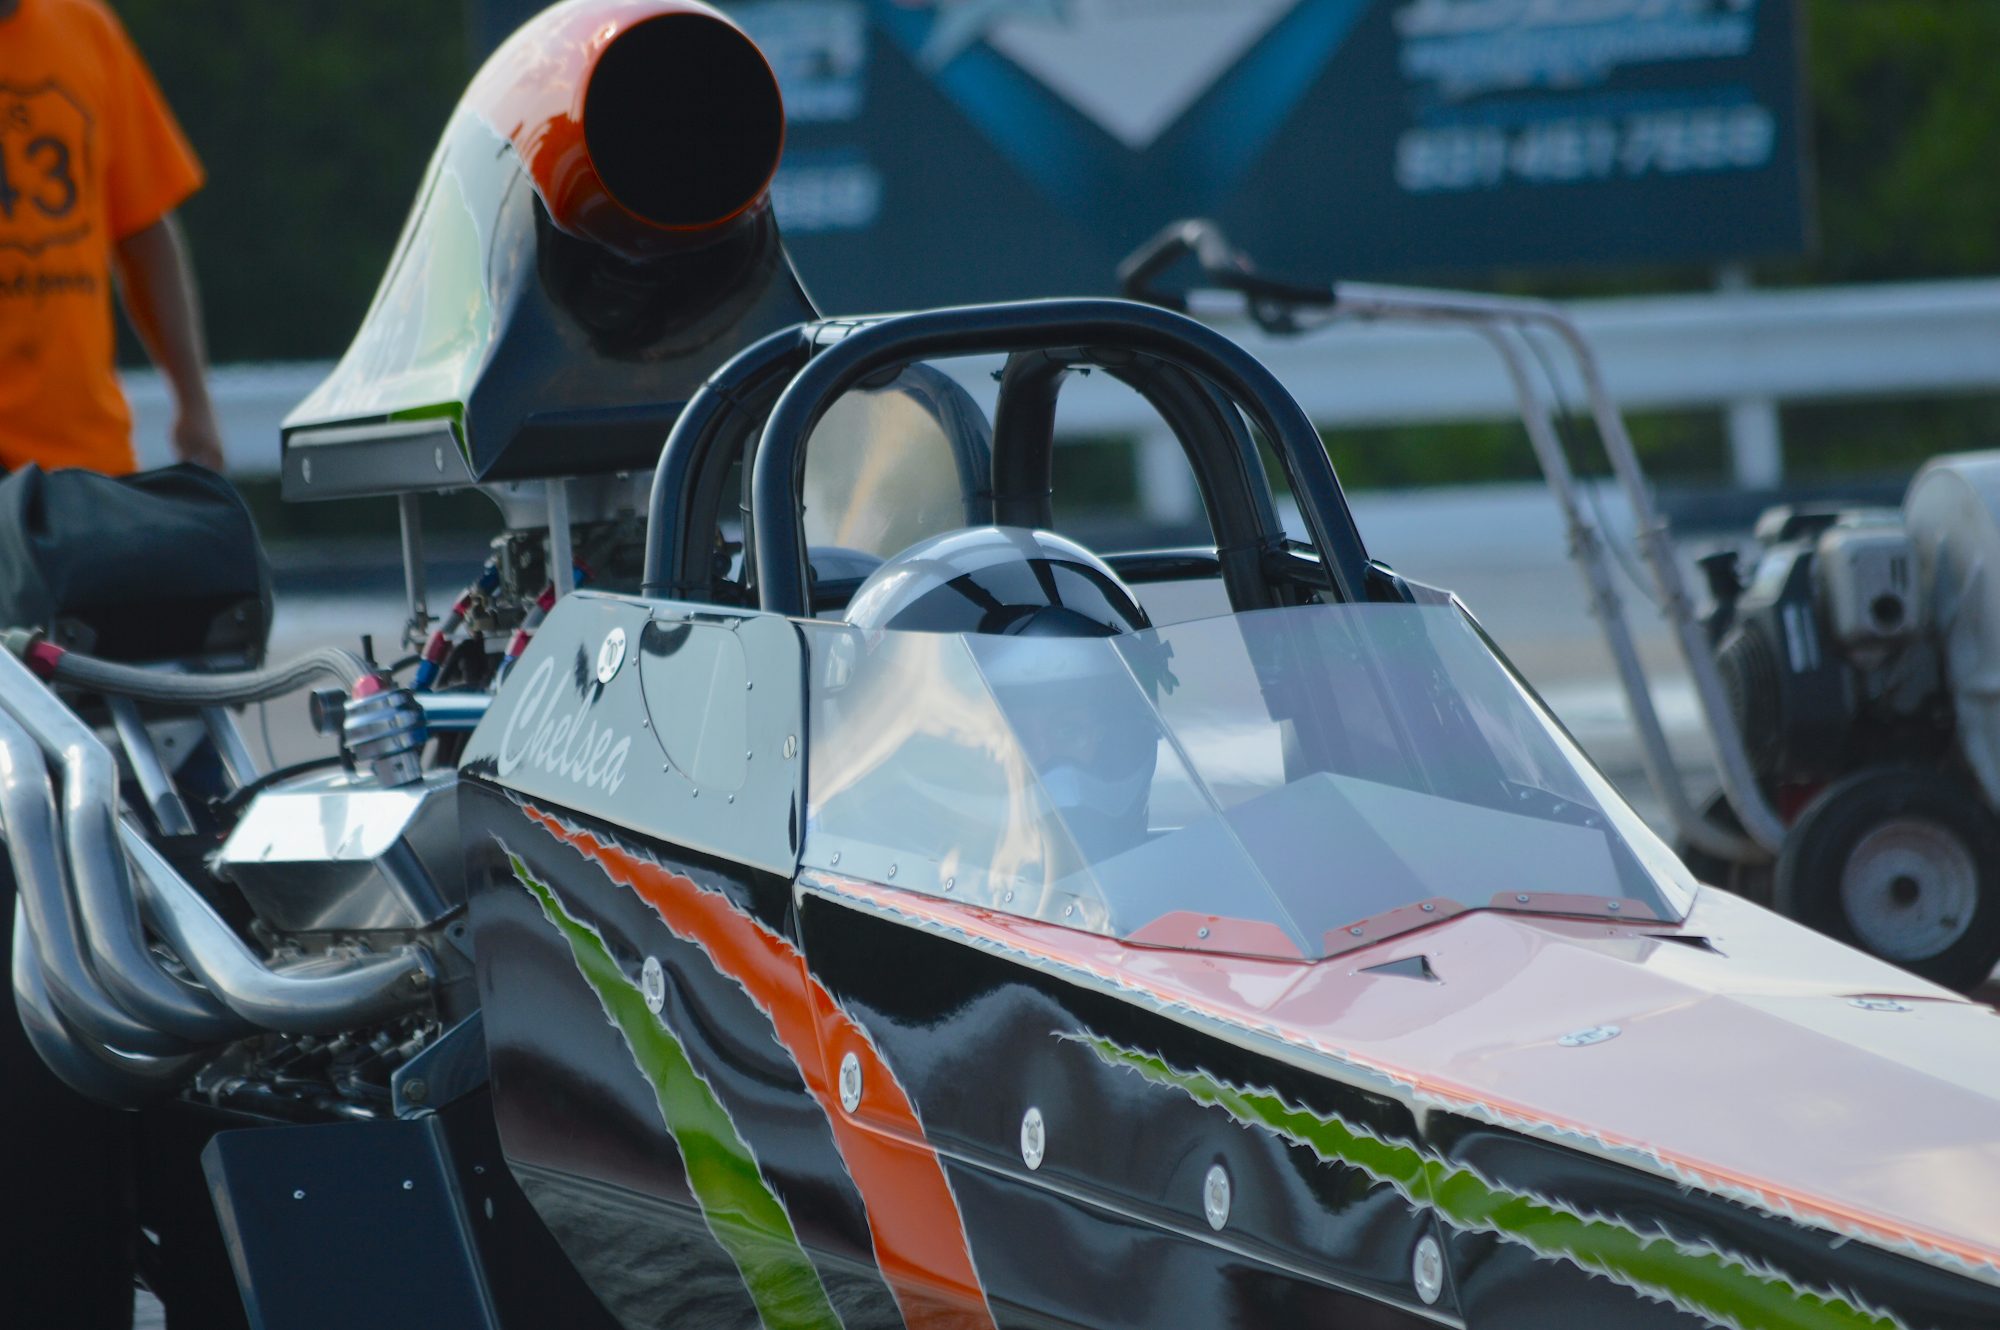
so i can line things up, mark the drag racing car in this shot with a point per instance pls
(796, 885)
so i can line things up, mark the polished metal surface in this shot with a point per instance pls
(453, 712)
(1215, 1197)
(342, 853)
(323, 995)
(411, 520)
(102, 887)
(386, 730)
(850, 1082)
(1034, 1139)
(119, 1079)
(1596, 1034)
(227, 737)
(1427, 1270)
(161, 798)
(34, 848)
(610, 655)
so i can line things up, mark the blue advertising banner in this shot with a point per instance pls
(952, 150)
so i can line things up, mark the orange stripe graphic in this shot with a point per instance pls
(913, 1218)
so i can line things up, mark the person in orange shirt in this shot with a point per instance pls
(92, 166)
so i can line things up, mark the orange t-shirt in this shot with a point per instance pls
(89, 154)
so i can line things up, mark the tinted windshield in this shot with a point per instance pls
(1286, 782)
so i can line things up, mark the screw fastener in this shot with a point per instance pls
(1427, 1270)
(653, 984)
(1034, 1139)
(850, 1082)
(1215, 1196)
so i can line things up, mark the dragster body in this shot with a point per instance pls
(863, 907)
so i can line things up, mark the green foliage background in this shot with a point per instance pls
(316, 118)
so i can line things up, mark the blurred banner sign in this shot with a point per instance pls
(951, 150)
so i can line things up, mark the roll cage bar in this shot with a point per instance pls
(1288, 308)
(1203, 385)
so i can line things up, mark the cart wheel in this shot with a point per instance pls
(1750, 881)
(1903, 863)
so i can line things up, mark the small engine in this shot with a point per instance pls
(1828, 654)
(1861, 659)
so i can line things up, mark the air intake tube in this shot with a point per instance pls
(646, 126)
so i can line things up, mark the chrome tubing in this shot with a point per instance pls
(102, 885)
(1764, 829)
(319, 999)
(121, 1080)
(447, 713)
(46, 915)
(1586, 548)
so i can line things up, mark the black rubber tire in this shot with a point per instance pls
(1818, 850)
(1750, 881)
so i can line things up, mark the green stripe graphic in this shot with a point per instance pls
(739, 1207)
(1729, 1289)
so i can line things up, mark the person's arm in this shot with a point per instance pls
(157, 284)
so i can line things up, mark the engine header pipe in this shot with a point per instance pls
(122, 1080)
(41, 880)
(646, 126)
(321, 999)
(102, 884)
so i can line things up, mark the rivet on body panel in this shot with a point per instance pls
(1034, 1138)
(1427, 1270)
(850, 1082)
(1215, 1196)
(791, 749)
(610, 655)
(653, 984)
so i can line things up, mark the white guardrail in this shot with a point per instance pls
(1742, 351)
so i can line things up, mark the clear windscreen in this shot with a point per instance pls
(1288, 782)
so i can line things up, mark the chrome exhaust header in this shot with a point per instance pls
(316, 998)
(99, 1006)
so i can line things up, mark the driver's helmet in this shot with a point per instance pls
(1006, 580)
(1083, 718)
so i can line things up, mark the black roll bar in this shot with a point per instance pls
(1114, 331)
(1229, 474)
(687, 481)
